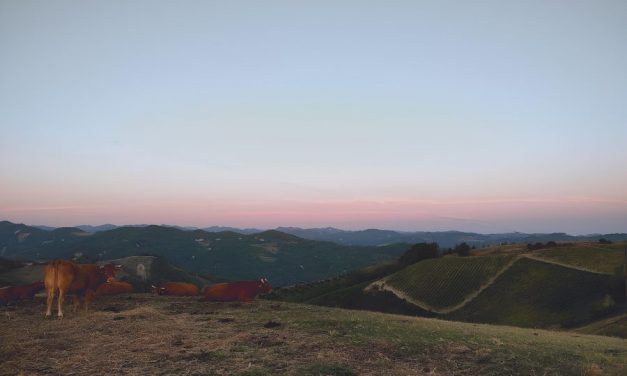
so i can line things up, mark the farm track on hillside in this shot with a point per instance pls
(570, 266)
(380, 284)
(400, 294)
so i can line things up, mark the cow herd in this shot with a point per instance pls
(87, 281)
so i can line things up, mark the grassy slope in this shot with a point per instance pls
(615, 326)
(354, 297)
(308, 291)
(165, 335)
(446, 281)
(537, 294)
(530, 294)
(594, 256)
(346, 291)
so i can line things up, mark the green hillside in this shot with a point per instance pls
(503, 286)
(615, 326)
(354, 297)
(603, 258)
(537, 294)
(446, 281)
(282, 258)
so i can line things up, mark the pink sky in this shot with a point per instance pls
(571, 214)
(487, 117)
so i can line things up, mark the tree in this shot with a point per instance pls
(462, 249)
(419, 252)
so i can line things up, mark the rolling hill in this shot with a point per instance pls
(504, 285)
(445, 282)
(282, 258)
(537, 294)
(602, 258)
(377, 237)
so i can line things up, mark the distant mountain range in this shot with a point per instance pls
(376, 237)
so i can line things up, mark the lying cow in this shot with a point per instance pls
(236, 291)
(176, 289)
(114, 288)
(23, 292)
(81, 279)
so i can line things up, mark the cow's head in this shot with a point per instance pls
(157, 290)
(109, 271)
(264, 286)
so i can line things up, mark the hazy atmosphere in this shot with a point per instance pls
(484, 116)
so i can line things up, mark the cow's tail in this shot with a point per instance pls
(55, 280)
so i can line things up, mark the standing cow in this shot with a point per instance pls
(176, 289)
(81, 279)
(237, 291)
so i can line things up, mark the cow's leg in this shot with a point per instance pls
(89, 296)
(61, 301)
(49, 302)
(76, 302)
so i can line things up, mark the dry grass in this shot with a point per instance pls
(141, 335)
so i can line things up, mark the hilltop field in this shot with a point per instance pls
(553, 286)
(139, 334)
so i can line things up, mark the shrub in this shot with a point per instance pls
(419, 252)
(462, 249)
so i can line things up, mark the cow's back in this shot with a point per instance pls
(180, 289)
(242, 291)
(60, 274)
(216, 291)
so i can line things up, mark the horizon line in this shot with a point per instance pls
(314, 228)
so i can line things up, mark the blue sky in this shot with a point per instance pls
(482, 116)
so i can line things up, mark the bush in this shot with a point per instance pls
(549, 244)
(462, 249)
(419, 252)
(605, 241)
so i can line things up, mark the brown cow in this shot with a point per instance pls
(81, 279)
(176, 289)
(114, 288)
(23, 292)
(237, 291)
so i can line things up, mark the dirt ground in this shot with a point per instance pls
(144, 335)
(141, 334)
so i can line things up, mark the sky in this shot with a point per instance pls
(485, 116)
